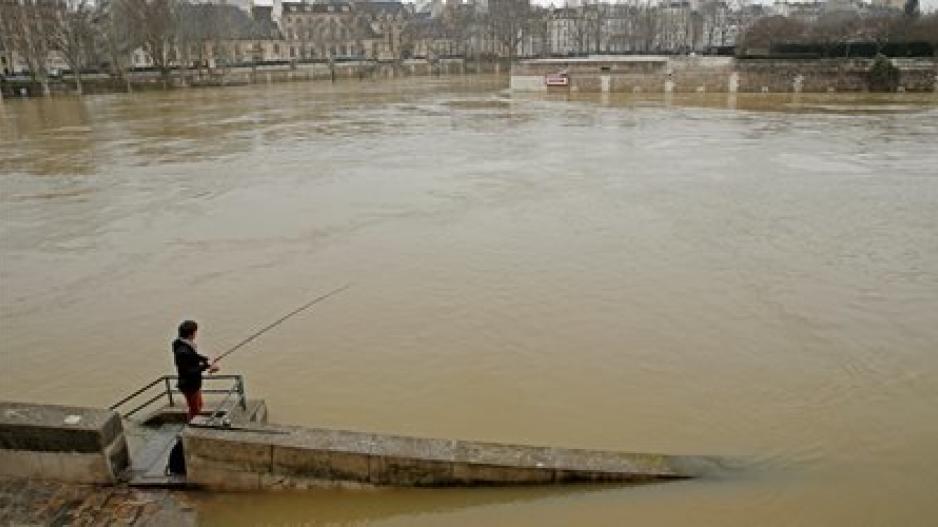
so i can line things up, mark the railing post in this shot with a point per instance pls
(169, 390)
(244, 402)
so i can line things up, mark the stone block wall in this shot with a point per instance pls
(61, 443)
(279, 457)
(686, 74)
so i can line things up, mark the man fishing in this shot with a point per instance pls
(190, 365)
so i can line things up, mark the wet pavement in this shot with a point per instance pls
(28, 503)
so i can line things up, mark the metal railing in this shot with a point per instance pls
(162, 388)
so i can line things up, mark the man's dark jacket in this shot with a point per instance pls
(189, 365)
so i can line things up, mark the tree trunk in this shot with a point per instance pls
(44, 82)
(78, 87)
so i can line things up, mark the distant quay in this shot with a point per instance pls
(701, 74)
(262, 73)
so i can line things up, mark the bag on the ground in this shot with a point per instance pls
(177, 459)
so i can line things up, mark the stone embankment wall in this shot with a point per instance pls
(823, 75)
(81, 445)
(663, 74)
(281, 457)
(344, 70)
(61, 443)
(318, 71)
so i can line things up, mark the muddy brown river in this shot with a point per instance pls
(752, 277)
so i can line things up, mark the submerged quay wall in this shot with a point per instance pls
(260, 74)
(282, 457)
(87, 446)
(681, 74)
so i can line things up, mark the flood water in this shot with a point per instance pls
(752, 277)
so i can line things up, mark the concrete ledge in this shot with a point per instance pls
(52, 428)
(296, 457)
(61, 443)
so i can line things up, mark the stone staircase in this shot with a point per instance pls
(150, 441)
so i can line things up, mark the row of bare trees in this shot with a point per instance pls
(84, 34)
(461, 29)
(838, 29)
(104, 34)
(34, 29)
(512, 27)
(516, 26)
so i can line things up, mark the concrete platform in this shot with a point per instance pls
(296, 457)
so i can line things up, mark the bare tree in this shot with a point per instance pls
(154, 22)
(457, 25)
(647, 29)
(880, 28)
(6, 41)
(582, 30)
(539, 31)
(218, 30)
(116, 37)
(769, 31)
(925, 29)
(72, 35)
(26, 27)
(835, 28)
(508, 20)
(598, 22)
(713, 15)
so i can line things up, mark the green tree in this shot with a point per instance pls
(883, 75)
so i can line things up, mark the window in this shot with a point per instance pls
(292, 52)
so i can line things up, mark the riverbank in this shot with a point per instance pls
(31, 502)
(258, 74)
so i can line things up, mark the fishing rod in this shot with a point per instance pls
(280, 320)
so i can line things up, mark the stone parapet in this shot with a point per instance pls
(61, 443)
